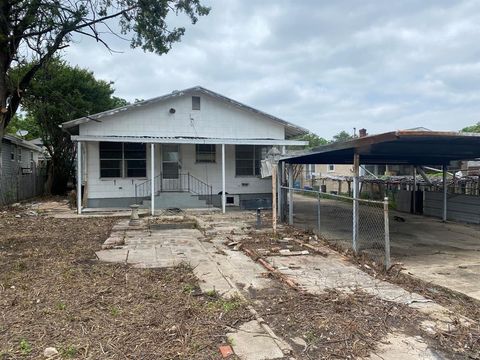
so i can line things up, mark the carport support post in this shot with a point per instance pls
(152, 179)
(79, 177)
(414, 199)
(290, 194)
(445, 192)
(356, 190)
(224, 196)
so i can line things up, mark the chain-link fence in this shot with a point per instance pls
(348, 223)
(14, 188)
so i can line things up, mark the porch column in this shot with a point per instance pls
(224, 197)
(290, 194)
(79, 177)
(152, 178)
(356, 190)
(445, 192)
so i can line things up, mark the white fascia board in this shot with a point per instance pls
(154, 140)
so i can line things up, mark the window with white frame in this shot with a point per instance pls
(123, 160)
(248, 159)
(205, 153)
(331, 168)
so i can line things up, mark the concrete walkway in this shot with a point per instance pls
(231, 272)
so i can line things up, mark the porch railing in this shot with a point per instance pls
(184, 182)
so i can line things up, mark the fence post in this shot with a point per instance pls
(318, 213)
(387, 233)
(355, 213)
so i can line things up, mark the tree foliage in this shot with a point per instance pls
(33, 31)
(472, 129)
(24, 122)
(342, 136)
(313, 140)
(60, 93)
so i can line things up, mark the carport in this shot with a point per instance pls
(415, 148)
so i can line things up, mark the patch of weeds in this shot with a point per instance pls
(69, 352)
(61, 306)
(114, 311)
(20, 266)
(188, 288)
(226, 305)
(310, 337)
(25, 347)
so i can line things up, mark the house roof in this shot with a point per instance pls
(291, 130)
(397, 147)
(20, 142)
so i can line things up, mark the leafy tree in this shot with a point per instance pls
(342, 136)
(313, 140)
(473, 129)
(24, 122)
(33, 31)
(58, 93)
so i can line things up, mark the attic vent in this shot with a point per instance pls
(195, 102)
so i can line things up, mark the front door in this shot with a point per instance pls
(171, 167)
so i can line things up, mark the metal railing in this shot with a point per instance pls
(365, 231)
(183, 182)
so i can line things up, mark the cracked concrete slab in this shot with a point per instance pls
(250, 342)
(398, 346)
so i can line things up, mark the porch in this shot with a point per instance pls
(186, 172)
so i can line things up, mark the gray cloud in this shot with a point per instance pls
(328, 66)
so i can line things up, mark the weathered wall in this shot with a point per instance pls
(464, 208)
(215, 119)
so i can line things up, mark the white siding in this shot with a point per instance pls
(215, 120)
(210, 173)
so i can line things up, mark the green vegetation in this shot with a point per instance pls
(36, 31)
(25, 347)
(472, 129)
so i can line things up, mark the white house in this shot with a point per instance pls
(195, 144)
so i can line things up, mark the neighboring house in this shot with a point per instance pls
(180, 138)
(18, 156)
(20, 177)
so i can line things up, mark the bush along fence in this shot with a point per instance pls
(18, 187)
(349, 223)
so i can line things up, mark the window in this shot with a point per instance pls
(195, 102)
(135, 156)
(248, 159)
(12, 153)
(205, 153)
(123, 160)
(331, 167)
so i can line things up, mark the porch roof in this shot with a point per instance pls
(187, 140)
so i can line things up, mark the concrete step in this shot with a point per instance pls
(182, 200)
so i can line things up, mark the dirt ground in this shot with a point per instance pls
(53, 293)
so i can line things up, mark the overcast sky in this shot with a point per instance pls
(325, 65)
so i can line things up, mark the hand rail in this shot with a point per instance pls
(184, 182)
